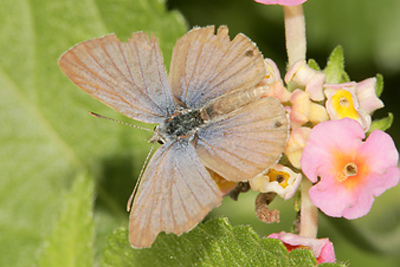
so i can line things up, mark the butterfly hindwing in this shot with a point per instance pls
(176, 192)
(245, 142)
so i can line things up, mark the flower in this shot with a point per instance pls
(277, 179)
(353, 100)
(303, 75)
(295, 145)
(322, 248)
(274, 82)
(366, 95)
(342, 102)
(304, 110)
(224, 185)
(281, 2)
(348, 172)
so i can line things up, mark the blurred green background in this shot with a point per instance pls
(47, 139)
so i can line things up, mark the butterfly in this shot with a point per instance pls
(211, 115)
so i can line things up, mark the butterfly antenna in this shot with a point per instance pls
(121, 122)
(129, 205)
(154, 141)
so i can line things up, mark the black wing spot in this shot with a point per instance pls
(249, 53)
(278, 124)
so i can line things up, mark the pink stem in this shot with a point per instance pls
(308, 212)
(295, 32)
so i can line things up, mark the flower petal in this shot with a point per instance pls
(343, 103)
(385, 156)
(303, 75)
(366, 95)
(295, 145)
(322, 248)
(278, 179)
(281, 2)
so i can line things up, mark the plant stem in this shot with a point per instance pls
(295, 32)
(308, 212)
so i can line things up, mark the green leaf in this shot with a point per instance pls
(328, 264)
(47, 137)
(214, 243)
(71, 243)
(313, 64)
(334, 70)
(382, 124)
(379, 85)
(301, 257)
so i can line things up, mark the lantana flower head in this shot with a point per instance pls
(348, 172)
(322, 248)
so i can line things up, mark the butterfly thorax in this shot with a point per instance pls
(181, 125)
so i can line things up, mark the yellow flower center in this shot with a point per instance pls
(279, 176)
(344, 105)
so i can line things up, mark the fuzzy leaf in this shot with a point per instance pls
(335, 67)
(379, 85)
(71, 243)
(214, 243)
(382, 124)
(313, 64)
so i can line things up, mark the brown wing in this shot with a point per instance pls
(128, 77)
(245, 142)
(205, 65)
(175, 194)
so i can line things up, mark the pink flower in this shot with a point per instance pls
(366, 95)
(322, 248)
(281, 2)
(348, 172)
(303, 75)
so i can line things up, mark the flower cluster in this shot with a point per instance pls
(333, 140)
(329, 123)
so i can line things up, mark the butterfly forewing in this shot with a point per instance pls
(245, 142)
(128, 77)
(175, 194)
(205, 65)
